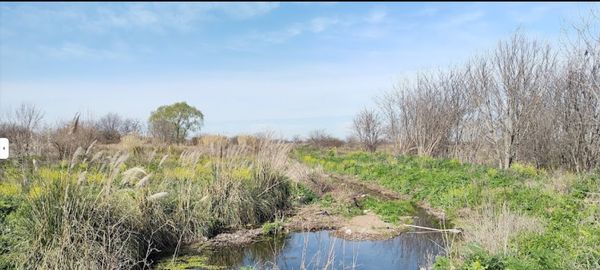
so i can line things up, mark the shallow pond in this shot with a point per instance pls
(316, 250)
(319, 250)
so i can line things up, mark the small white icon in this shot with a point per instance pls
(3, 148)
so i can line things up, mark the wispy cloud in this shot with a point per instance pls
(458, 20)
(317, 25)
(141, 16)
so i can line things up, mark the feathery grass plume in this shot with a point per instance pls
(75, 157)
(115, 166)
(89, 149)
(162, 160)
(132, 174)
(157, 196)
(97, 156)
(189, 158)
(81, 178)
(75, 125)
(35, 165)
(143, 181)
(182, 155)
(116, 162)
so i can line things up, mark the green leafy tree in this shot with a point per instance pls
(172, 123)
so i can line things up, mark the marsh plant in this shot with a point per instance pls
(116, 208)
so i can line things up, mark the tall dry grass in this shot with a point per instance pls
(491, 227)
(117, 210)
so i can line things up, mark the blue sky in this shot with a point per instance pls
(289, 67)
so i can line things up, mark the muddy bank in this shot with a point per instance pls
(313, 218)
(347, 192)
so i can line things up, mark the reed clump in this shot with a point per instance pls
(110, 211)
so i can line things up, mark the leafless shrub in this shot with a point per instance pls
(69, 136)
(20, 128)
(109, 126)
(112, 126)
(424, 117)
(320, 138)
(368, 129)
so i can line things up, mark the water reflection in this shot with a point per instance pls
(318, 250)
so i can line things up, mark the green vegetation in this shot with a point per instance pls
(389, 211)
(303, 195)
(187, 262)
(115, 208)
(274, 227)
(564, 207)
(173, 122)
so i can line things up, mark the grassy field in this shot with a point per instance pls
(520, 218)
(115, 207)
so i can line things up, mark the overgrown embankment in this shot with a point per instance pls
(116, 208)
(520, 218)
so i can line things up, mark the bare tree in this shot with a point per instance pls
(367, 127)
(109, 127)
(388, 106)
(577, 100)
(112, 126)
(517, 104)
(20, 128)
(509, 91)
(131, 126)
(423, 117)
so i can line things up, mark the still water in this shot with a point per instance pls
(319, 250)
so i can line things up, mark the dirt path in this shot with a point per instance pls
(346, 192)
